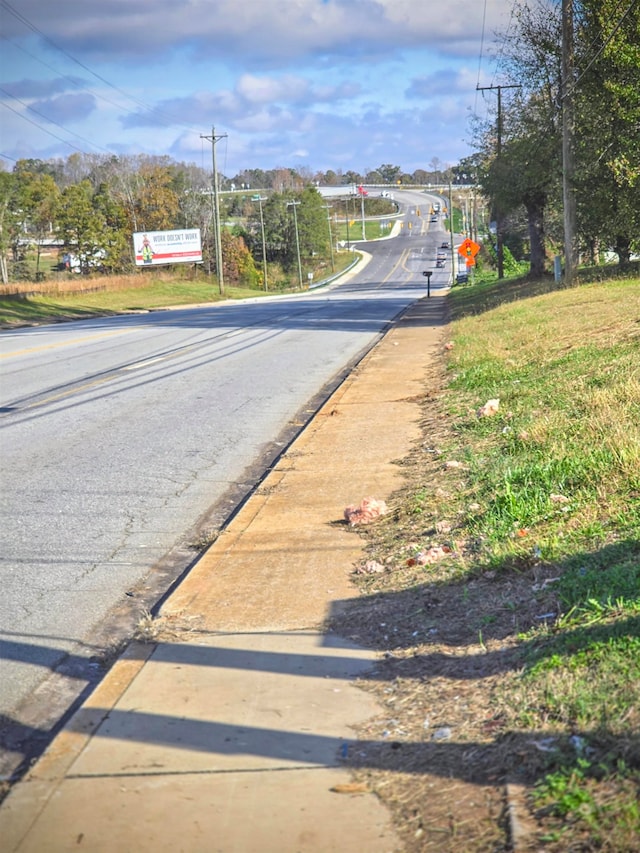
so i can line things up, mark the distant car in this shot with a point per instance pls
(439, 263)
(441, 256)
(434, 218)
(444, 245)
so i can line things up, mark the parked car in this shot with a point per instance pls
(462, 278)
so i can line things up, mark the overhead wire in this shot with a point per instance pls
(171, 121)
(71, 80)
(52, 121)
(602, 47)
(50, 132)
(480, 56)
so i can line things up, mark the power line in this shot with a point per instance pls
(602, 47)
(39, 126)
(484, 19)
(52, 121)
(78, 84)
(169, 120)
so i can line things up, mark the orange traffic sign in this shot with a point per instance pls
(468, 249)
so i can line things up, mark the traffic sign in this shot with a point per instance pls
(468, 249)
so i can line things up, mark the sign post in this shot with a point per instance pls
(428, 275)
(468, 250)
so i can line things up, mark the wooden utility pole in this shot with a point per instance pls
(499, 229)
(216, 207)
(568, 120)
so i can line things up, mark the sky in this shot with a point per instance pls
(313, 84)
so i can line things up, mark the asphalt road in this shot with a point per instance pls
(125, 440)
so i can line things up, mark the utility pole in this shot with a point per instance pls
(259, 198)
(329, 207)
(346, 217)
(294, 204)
(568, 197)
(216, 207)
(499, 235)
(452, 244)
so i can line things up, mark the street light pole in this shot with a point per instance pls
(260, 199)
(294, 204)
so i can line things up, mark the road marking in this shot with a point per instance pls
(46, 347)
(399, 263)
(96, 382)
(65, 394)
(140, 364)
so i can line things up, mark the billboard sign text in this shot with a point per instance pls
(167, 247)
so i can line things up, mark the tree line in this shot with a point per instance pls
(92, 204)
(519, 159)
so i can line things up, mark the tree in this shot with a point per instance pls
(239, 266)
(37, 197)
(351, 178)
(608, 142)
(116, 237)
(389, 173)
(606, 97)
(156, 204)
(10, 224)
(312, 224)
(526, 171)
(277, 233)
(520, 154)
(81, 225)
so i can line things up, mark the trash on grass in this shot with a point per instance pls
(371, 567)
(368, 510)
(490, 408)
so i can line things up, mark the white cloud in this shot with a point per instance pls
(342, 83)
(257, 32)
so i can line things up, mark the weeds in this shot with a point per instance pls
(541, 593)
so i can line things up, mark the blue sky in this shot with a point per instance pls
(320, 84)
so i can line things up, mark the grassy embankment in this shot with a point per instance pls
(70, 297)
(532, 616)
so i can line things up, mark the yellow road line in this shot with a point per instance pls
(46, 347)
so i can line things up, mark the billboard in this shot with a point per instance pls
(167, 247)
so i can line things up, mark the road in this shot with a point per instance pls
(126, 441)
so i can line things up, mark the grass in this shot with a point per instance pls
(532, 617)
(540, 507)
(73, 297)
(557, 476)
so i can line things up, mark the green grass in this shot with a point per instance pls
(147, 294)
(554, 482)
(373, 229)
(47, 302)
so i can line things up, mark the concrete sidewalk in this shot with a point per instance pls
(226, 732)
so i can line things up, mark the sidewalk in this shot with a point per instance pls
(225, 732)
